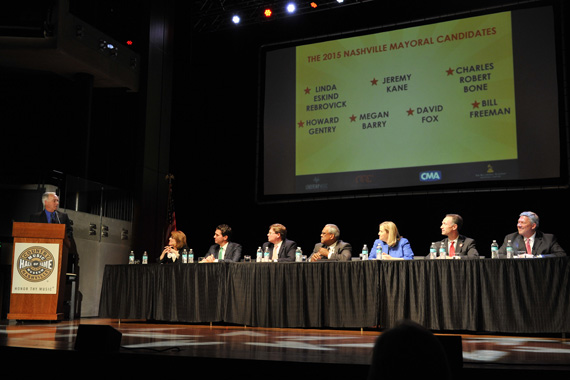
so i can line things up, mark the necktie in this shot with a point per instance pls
(452, 249)
(221, 254)
(275, 253)
(53, 217)
(528, 249)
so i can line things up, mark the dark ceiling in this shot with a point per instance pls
(214, 15)
(129, 19)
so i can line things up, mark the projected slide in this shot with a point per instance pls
(429, 95)
(467, 100)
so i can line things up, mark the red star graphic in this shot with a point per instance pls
(374, 81)
(410, 112)
(475, 104)
(352, 118)
(449, 71)
(307, 90)
(301, 124)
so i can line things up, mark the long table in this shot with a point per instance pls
(487, 295)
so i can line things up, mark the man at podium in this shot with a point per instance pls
(37, 295)
(51, 214)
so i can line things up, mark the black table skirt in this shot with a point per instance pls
(511, 296)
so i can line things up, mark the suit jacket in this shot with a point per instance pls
(465, 248)
(342, 251)
(68, 242)
(545, 245)
(62, 217)
(232, 253)
(286, 252)
(401, 250)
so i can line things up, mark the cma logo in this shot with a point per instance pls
(430, 176)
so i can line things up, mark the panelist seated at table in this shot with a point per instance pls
(281, 249)
(331, 247)
(390, 245)
(456, 245)
(224, 250)
(529, 241)
(176, 244)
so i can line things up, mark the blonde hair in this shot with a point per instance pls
(393, 234)
(180, 239)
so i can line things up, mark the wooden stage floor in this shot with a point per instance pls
(239, 350)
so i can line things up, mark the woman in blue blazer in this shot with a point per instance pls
(390, 244)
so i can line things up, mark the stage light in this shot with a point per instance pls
(340, 1)
(291, 7)
(108, 47)
(130, 43)
(313, 5)
(267, 12)
(236, 19)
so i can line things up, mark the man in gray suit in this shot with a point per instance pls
(455, 243)
(330, 247)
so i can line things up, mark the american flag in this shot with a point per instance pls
(171, 217)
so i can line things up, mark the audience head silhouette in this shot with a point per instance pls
(408, 351)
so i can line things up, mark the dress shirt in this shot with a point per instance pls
(530, 242)
(331, 249)
(275, 253)
(223, 248)
(454, 246)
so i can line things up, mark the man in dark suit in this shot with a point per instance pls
(280, 248)
(223, 249)
(529, 240)
(455, 243)
(331, 247)
(51, 213)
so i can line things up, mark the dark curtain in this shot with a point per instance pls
(510, 296)
(438, 294)
(180, 293)
(526, 295)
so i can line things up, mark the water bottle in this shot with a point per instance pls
(494, 250)
(132, 257)
(298, 254)
(442, 250)
(509, 250)
(266, 254)
(379, 252)
(364, 253)
(145, 258)
(258, 255)
(433, 251)
(184, 256)
(191, 256)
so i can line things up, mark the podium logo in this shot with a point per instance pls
(35, 264)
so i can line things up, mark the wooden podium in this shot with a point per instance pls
(39, 263)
